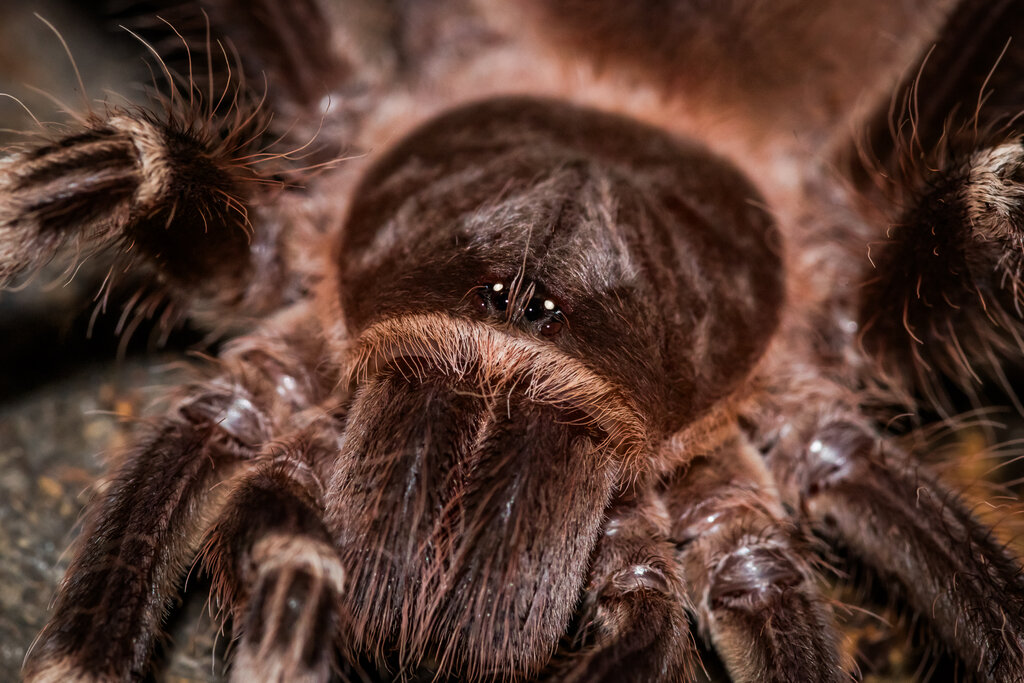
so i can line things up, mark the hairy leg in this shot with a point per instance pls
(964, 87)
(634, 619)
(754, 594)
(911, 530)
(276, 570)
(939, 171)
(144, 529)
(942, 300)
(138, 539)
(167, 191)
(946, 290)
(305, 53)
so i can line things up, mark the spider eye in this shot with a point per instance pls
(492, 295)
(533, 310)
(499, 296)
(550, 328)
(482, 299)
(544, 314)
(548, 313)
(538, 308)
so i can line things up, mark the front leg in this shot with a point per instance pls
(946, 292)
(173, 192)
(755, 597)
(634, 613)
(137, 539)
(143, 531)
(275, 568)
(943, 291)
(893, 517)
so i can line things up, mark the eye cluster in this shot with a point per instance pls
(540, 313)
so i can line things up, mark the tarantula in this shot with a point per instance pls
(561, 329)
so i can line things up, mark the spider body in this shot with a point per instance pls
(538, 391)
(526, 187)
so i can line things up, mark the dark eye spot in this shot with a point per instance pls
(542, 313)
(550, 328)
(534, 310)
(492, 297)
(499, 296)
(482, 298)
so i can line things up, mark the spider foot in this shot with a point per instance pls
(290, 622)
(639, 632)
(755, 596)
(276, 570)
(633, 622)
(170, 193)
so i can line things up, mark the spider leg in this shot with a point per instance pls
(143, 531)
(942, 301)
(905, 525)
(307, 48)
(944, 295)
(173, 193)
(195, 187)
(754, 594)
(634, 611)
(947, 288)
(307, 52)
(965, 87)
(137, 539)
(276, 569)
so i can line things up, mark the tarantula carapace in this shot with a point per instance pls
(527, 383)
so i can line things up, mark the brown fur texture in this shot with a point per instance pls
(530, 381)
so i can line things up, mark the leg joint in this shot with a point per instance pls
(749, 577)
